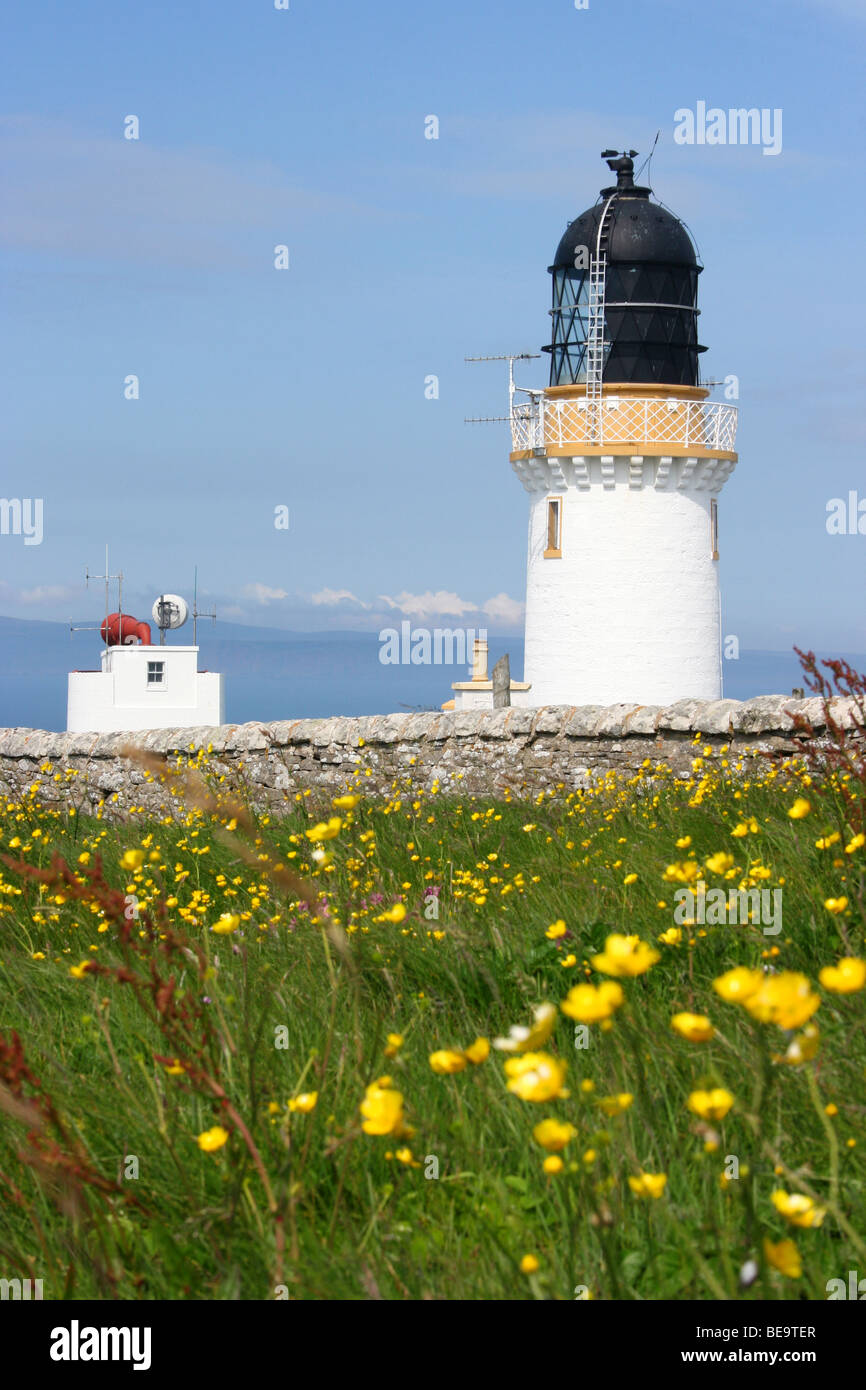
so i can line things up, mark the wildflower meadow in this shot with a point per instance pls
(440, 1047)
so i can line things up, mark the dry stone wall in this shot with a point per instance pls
(479, 753)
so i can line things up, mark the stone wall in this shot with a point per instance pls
(475, 752)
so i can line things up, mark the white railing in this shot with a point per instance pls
(542, 423)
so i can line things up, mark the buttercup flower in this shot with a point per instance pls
(836, 905)
(553, 1135)
(800, 808)
(625, 956)
(695, 1027)
(305, 1102)
(553, 1164)
(799, 1210)
(846, 977)
(529, 1264)
(719, 863)
(78, 972)
(738, 984)
(711, 1105)
(325, 830)
(478, 1051)
(784, 1255)
(345, 803)
(591, 1003)
(446, 1062)
(648, 1184)
(212, 1139)
(536, 1076)
(132, 859)
(556, 929)
(228, 922)
(786, 999)
(382, 1108)
(522, 1039)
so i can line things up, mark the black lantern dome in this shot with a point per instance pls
(650, 289)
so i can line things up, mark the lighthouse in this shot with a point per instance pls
(623, 457)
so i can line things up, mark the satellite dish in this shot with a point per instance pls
(170, 611)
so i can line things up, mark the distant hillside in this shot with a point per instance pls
(274, 674)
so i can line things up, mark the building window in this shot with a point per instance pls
(714, 527)
(554, 529)
(155, 672)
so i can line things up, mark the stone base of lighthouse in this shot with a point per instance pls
(622, 593)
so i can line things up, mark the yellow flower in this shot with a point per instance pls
(695, 1027)
(305, 1102)
(228, 922)
(825, 841)
(625, 956)
(529, 1264)
(382, 1108)
(836, 905)
(345, 803)
(325, 830)
(740, 830)
(478, 1051)
(553, 1135)
(737, 984)
(395, 1042)
(799, 1210)
(37, 955)
(553, 1164)
(711, 1105)
(615, 1105)
(684, 842)
(803, 1047)
(630, 878)
(212, 1139)
(536, 1076)
(568, 961)
(786, 999)
(394, 914)
(719, 863)
(831, 1109)
(591, 1003)
(522, 1039)
(800, 808)
(132, 859)
(79, 971)
(175, 1069)
(404, 1155)
(846, 977)
(446, 1062)
(648, 1184)
(857, 843)
(556, 929)
(672, 937)
(783, 1256)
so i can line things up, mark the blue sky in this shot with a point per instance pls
(305, 387)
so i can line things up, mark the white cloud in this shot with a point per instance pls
(331, 597)
(429, 605)
(262, 593)
(503, 609)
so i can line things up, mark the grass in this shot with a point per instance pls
(331, 971)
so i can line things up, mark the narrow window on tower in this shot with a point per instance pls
(714, 526)
(554, 529)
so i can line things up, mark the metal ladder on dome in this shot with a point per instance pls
(595, 344)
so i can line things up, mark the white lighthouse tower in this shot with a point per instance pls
(623, 457)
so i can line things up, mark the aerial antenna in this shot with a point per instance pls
(510, 358)
(196, 612)
(648, 158)
(169, 611)
(107, 576)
